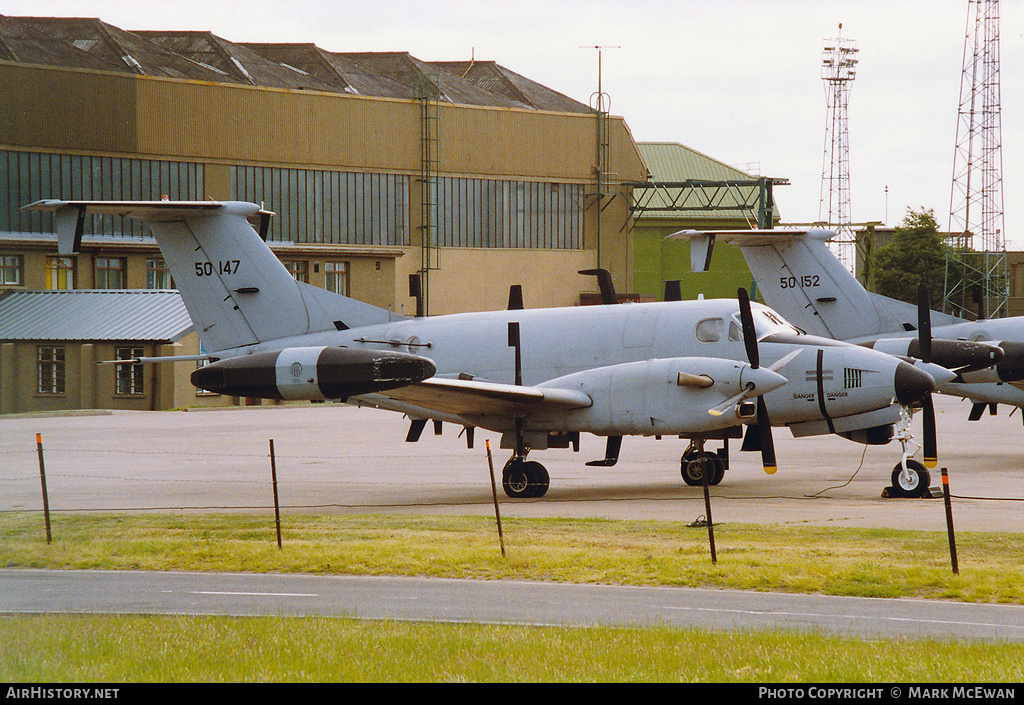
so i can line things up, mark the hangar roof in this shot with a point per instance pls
(235, 60)
(130, 52)
(89, 43)
(671, 162)
(498, 79)
(334, 69)
(87, 315)
(20, 41)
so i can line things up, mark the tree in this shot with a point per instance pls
(916, 255)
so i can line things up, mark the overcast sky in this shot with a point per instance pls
(739, 80)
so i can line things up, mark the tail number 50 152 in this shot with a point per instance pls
(805, 282)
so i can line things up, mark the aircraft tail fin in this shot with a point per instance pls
(235, 289)
(801, 278)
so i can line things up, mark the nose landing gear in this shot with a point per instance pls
(696, 461)
(524, 479)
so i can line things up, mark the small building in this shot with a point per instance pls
(57, 351)
(689, 190)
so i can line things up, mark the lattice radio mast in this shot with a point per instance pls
(838, 69)
(976, 280)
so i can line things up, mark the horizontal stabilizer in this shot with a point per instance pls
(236, 290)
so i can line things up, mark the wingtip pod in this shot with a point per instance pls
(314, 373)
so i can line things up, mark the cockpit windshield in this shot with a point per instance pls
(767, 322)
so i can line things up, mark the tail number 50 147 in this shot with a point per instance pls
(208, 269)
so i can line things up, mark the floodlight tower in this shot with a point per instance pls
(838, 69)
(976, 280)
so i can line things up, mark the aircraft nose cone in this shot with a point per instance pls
(911, 384)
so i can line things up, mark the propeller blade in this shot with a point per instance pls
(924, 323)
(749, 334)
(728, 403)
(783, 361)
(764, 428)
(931, 456)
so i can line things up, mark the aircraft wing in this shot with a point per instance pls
(468, 398)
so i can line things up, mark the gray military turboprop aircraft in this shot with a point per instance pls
(691, 369)
(798, 275)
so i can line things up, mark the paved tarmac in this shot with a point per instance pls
(495, 601)
(341, 459)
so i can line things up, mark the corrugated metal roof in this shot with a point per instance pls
(671, 161)
(344, 74)
(235, 60)
(20, 41)
(131, 52)
(419, 75)
(498, 79)
(203, 56)
(85, 315)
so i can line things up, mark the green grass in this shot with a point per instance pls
(48, 649)
(836, 561)
(833, 561)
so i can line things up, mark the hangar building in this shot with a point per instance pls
(383, 170)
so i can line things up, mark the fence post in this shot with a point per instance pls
(273, 477)
(949, 522)
(42, 480)
(494, 494)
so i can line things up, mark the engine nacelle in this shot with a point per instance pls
(951, 354)
(313, 373)
(665, 396)
(1009, 369)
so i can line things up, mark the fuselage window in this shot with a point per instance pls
(710, 330)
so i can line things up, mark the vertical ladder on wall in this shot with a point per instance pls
(429, 141)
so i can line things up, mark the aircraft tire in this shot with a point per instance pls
(914, 482)
(539, 478)
(521, 479)
(692, 469)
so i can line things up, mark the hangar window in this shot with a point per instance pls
(50, 369)
(299, 269)
(510, 214)
(110, 273)
(336, 277)
(158, 276)
(129, 374)
(328, 207)
(28, 176)
(11, 267)
(60, 272)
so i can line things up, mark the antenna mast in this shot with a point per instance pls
(838, 69)
(976, 278)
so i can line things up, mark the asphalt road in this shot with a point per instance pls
(492, 601)
(333, 458)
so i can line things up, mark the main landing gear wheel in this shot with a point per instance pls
(691, 467)
(912, 481)
(524, 479)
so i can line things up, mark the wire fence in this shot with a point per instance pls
(86, 478)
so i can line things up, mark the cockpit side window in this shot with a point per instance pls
(735, 331)
(709, 330)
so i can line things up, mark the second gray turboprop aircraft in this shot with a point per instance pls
(800, 276)
(540, 377)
